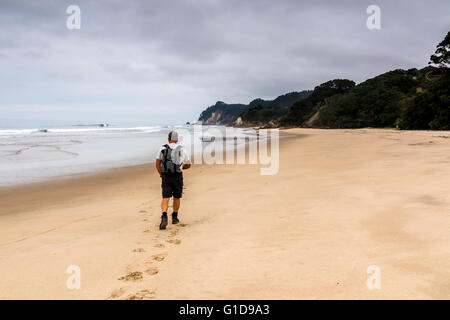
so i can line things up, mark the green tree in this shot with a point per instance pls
(302, 110)
(441, 58)
(429, 110)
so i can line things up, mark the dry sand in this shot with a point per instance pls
(347, 200)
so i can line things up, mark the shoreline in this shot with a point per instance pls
(284, 133)
(351, 198)
(75, 171)
(81, 175)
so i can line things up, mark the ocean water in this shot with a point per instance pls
(32, 152)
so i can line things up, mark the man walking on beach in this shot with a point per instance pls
(170, 162)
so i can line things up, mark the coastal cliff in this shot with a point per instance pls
(223, 113)
(405, 99)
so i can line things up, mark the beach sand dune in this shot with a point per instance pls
(343, 200)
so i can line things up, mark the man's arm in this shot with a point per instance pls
(187, 160)
(186, 166)
(158, 166)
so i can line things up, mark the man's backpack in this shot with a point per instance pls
(171, 160)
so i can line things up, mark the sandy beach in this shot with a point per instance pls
(342, 200)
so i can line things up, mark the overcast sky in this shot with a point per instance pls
(165, 61)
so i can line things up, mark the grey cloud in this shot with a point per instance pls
(130, 52)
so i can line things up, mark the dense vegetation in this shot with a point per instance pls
(261, 115)
(285, 100)
(273, 109)
(412, 99)
(429, 110)
(373, 103)
(407, 99)
(263, 111)
(301, 111)
(399, 98)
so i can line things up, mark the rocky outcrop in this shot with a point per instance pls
(221, 113)
(235, 114)
(214, 118)
(238, 122)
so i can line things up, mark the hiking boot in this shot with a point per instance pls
(175, 218)
(163, 223)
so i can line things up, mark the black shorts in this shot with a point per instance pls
(172, 185)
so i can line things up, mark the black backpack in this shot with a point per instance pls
(171, 159)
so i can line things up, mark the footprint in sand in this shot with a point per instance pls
(139, 250)
(152, 271)
(132, 276)
(147, 231)
(142, 295)
(118, 292)
(159, 257)
(142, 211)
(173, 233)
(182, 224)
(159, 245)
(174, 241)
